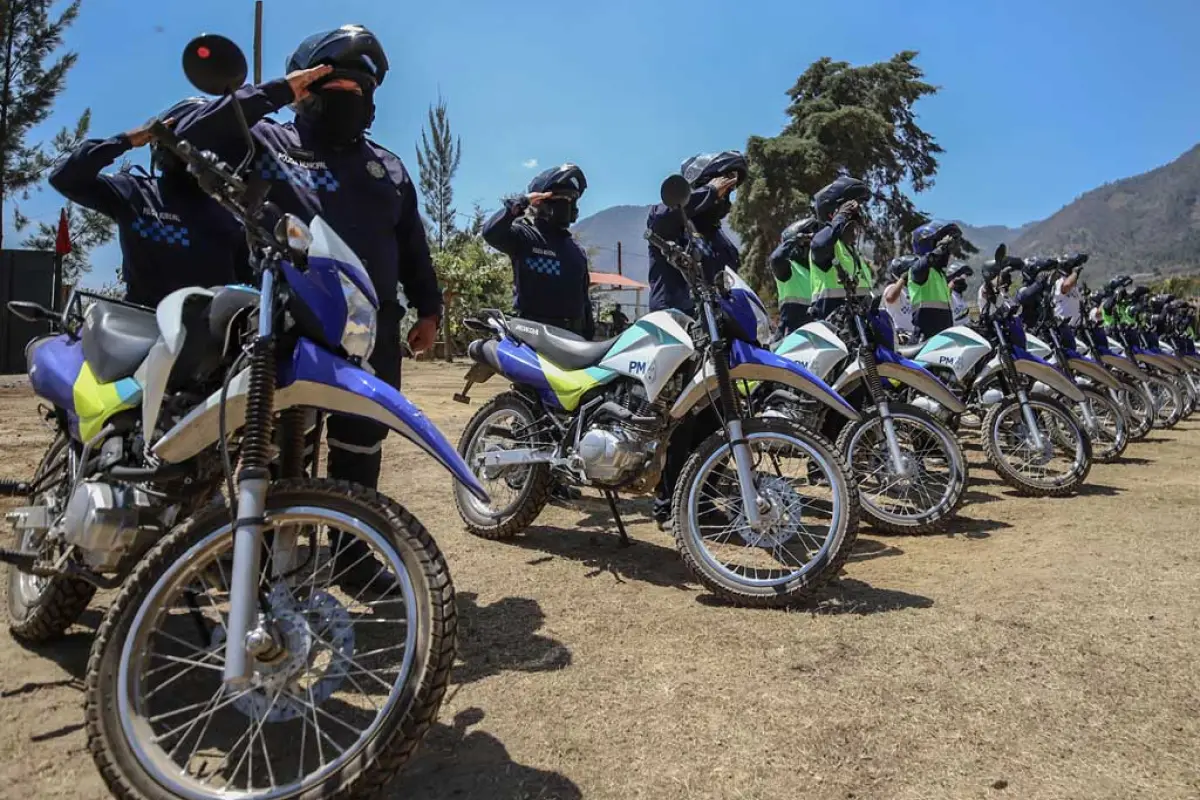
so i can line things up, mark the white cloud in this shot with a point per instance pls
(530, 164)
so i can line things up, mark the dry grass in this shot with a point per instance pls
(1048, 649)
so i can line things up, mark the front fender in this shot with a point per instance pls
(1043, 372)
(1123, 365)
(315, 378)
(1155, 360)
(911, 374)
(750, 363)
(1094, 371)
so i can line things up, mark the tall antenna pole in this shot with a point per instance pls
(258, 16)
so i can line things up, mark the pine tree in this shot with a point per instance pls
(31, 77)
(438, 158)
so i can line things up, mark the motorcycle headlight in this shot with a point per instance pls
(358, 337)
(763, 326)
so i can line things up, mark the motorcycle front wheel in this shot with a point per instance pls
(1107, 430)
(1057, 467)
(928, 489)
(352, 679)
(808, 520)
(1138, 407)
(1168, 402)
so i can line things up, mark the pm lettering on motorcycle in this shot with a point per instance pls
(637, 367)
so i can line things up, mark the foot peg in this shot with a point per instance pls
(11, 488)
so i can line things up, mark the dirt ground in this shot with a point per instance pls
(1045, 649)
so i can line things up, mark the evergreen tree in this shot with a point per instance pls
(438, 158)
(31, 77)
(849, 120)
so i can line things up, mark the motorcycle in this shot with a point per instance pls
(1157, 375)
(1032, 441)
(1131, 394)
(234, 660)
(764, 512)
(910, 467)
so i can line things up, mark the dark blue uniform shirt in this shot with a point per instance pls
(668, 289)
(172, 235)
(362, 190)
(550, 269)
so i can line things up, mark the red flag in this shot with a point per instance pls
(62, 242)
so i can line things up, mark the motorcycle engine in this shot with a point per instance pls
(613, 451)
(103, 521)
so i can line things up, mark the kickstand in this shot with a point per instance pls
(612, 504)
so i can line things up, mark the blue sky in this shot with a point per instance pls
(1040, 100)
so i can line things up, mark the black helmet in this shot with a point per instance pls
(901, 265)
(1072, 260)
(566, 181)
(801, 229)
(992, 270)
(1139, 292)
(161, 158)
(1035, 266)
(842, 190)
(702, 168)
(352, 51)
(926, 237)
(959, 271)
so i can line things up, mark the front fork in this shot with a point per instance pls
(753, 503)
(245, 635)
(866, 356)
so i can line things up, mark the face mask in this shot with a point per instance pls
(959, 286)
(559, 213)
(341, 116)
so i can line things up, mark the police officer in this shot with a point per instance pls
(838, 210)
(960, 310)
(932, 243)
(619, 321)
(713, 178)
(550, 269)
(1037, 278)
(323, 163)
(790, 264)
(1068, 300)
(172, 234)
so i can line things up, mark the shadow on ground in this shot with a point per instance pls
(456, 762)
(502, 637)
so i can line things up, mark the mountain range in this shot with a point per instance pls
(1146, 226)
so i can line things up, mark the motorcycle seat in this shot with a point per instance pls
(117, 339)
(562, 347)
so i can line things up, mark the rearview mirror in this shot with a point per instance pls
(675, 191)
(1001, 254)
(214, 64)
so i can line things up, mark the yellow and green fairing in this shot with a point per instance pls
(59, 373)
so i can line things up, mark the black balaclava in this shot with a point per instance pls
(959, 285)
(340, 117)
(711, 219)
(558, 212)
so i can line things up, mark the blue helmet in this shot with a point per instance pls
(829, 199)
(700, 169)
(567, 181)
(160, 158)
(926, 237)
(352, 51)
(901, 265)
(800, 229)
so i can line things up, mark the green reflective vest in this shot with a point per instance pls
(933, 293)
(796, 289)
(1122, 316)
(825, 283)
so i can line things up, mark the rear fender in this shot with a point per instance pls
(315, 378)
(907, 372)
(750, 363)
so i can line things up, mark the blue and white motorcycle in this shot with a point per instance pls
(235, 660)
(1033, 442)
(764, 512)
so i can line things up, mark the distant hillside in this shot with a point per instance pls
(988, 237)
(1147, 224)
